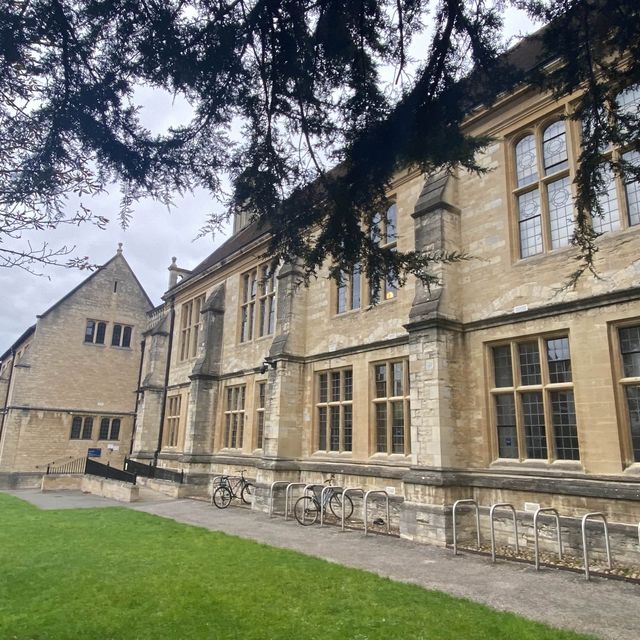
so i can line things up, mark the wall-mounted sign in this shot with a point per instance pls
(94, 452)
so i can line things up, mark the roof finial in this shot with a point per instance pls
(119, 252)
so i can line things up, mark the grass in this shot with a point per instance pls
(115, 573)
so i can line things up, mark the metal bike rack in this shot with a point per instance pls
(585, 549)
(366, 507)
(287, 493)
(552, 511)
(271, 491)
(456, 504)
(322, 504)
(503, 505)
(344, 493)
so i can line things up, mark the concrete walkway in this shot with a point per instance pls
(605, 608)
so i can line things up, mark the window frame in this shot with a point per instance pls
(380, 233)
(343, 406)
(257, 310)
(81, 427)
(98, 332)
(517, 390)
(618, 185)
(259, 412)
(621, 382)
(234, 416)
(109, 428)
(388, 401)
(125, 333)
(190, 327)
(172, 421)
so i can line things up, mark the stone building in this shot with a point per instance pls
(68, 383)
(500, 385)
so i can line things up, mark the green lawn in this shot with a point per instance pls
(93, 574)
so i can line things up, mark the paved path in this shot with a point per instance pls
(605, 608)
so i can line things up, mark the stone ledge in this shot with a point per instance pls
(107, 488)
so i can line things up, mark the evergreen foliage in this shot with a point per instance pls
(323, 133)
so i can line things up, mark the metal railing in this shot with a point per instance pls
(345, 491)
(74, 466)
(323, 505)
(288, 492)
(536, 548)
(456, 504)
(585, 548)
(271, 493)
(502, 505)
(151, 471)
(107, 471)
(366, 507)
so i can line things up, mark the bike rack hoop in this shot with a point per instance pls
(287, 493)
(502, 505)
(271, 492)
(585, 550)
(380, 492)
(456, 504)
(327, 488)
(345, 491)
(554, 513)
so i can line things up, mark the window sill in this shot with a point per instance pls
(633, 469)
(391, 457)
(555, 465)
(94, 344)
(332, 454)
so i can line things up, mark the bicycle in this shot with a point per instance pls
(307, 508)
(227, 490)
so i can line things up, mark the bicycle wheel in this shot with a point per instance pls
(335, 504)
(306, 510)
(222, 497)
(247, 493)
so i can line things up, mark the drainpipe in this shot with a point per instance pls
(135, 411)
(6, 398)
(166, 384)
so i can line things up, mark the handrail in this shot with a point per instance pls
(535, 533)
(585, 549)
(273, 486)
(55, 461)
(344, 493)
(504, 505)
(288, 492)
(70, 467)
(477, 510)
(322, 503)
(366, 507)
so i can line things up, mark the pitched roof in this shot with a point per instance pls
(246, 236)
(29, 332)
(32, 329)
(93, 275)
(525, 56)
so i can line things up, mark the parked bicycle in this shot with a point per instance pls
(308, 507)
(230, 488)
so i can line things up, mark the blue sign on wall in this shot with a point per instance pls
(94, 452)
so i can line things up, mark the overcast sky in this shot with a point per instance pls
(154, 236)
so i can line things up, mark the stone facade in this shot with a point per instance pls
(278, 382)
(59, 373)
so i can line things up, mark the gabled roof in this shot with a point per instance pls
(32, 329)
(93, 275)
(525, 56)
(245, 237)
(27, 334)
